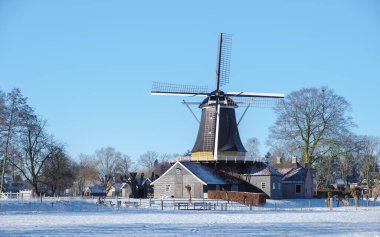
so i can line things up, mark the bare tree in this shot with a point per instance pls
(36, 148)
(126, 165)
(58, 173)
(310, 121)
(188, 189)
(147, 160)
(351, 148)
(86, 173)
(108, 164)
(370, 158)
(252, 147)
(13, 110)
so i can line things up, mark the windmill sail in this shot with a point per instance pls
(222, 78)
(225, 58)
(161, 88)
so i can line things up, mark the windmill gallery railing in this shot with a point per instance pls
(211, 158)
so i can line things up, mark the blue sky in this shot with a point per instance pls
(87, 66)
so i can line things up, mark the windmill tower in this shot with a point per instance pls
(218, 135)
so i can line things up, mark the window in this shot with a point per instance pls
(274, 186)
(263, 185)
(298, 188)
(167, 188)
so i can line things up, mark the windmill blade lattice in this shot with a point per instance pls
(257, 102)
(225, 58)
(169, 88)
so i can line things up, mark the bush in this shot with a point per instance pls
(254, 199)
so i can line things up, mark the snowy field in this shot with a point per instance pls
(277, 218)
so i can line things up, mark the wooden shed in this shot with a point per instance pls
(200, 178)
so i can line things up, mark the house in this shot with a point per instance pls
(204, 176)
(115, 190)
(297, 181)
(136, 187)
(126, 190)
(144, 187)
(200, 178)
(268, 180)
(97, 191)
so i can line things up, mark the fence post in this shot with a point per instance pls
(331, 203)
(226, 207)
(140, 202)
(162, 205)
(150, 202)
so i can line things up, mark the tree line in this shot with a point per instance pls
(32, 156)
(313, 124)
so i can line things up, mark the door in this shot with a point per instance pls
(178, 190)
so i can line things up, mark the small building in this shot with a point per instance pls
(126, 190)
(173, 182)
(268, 180)
(115, 190)
(97, 191)
(136, 188)
(144, 187)
(297, 181)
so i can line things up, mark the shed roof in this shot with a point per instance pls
(96, 189)
(204, 173)
(295, 174)
(267, 171)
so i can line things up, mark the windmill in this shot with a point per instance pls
(218, 135)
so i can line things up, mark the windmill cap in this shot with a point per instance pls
(224, 100)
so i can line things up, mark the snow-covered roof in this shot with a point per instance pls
(140, 182)
(295, 174)
(96, 189)
(204, 173)
(284, 170)
(117, 185)
(267, 171)
(200, 171)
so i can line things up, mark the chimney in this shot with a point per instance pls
(294, 159)
(278, 160)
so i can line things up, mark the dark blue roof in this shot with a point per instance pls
(204, 173)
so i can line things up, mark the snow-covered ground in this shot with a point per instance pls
(277, 218)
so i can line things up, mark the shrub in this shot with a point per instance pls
(246, 198)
